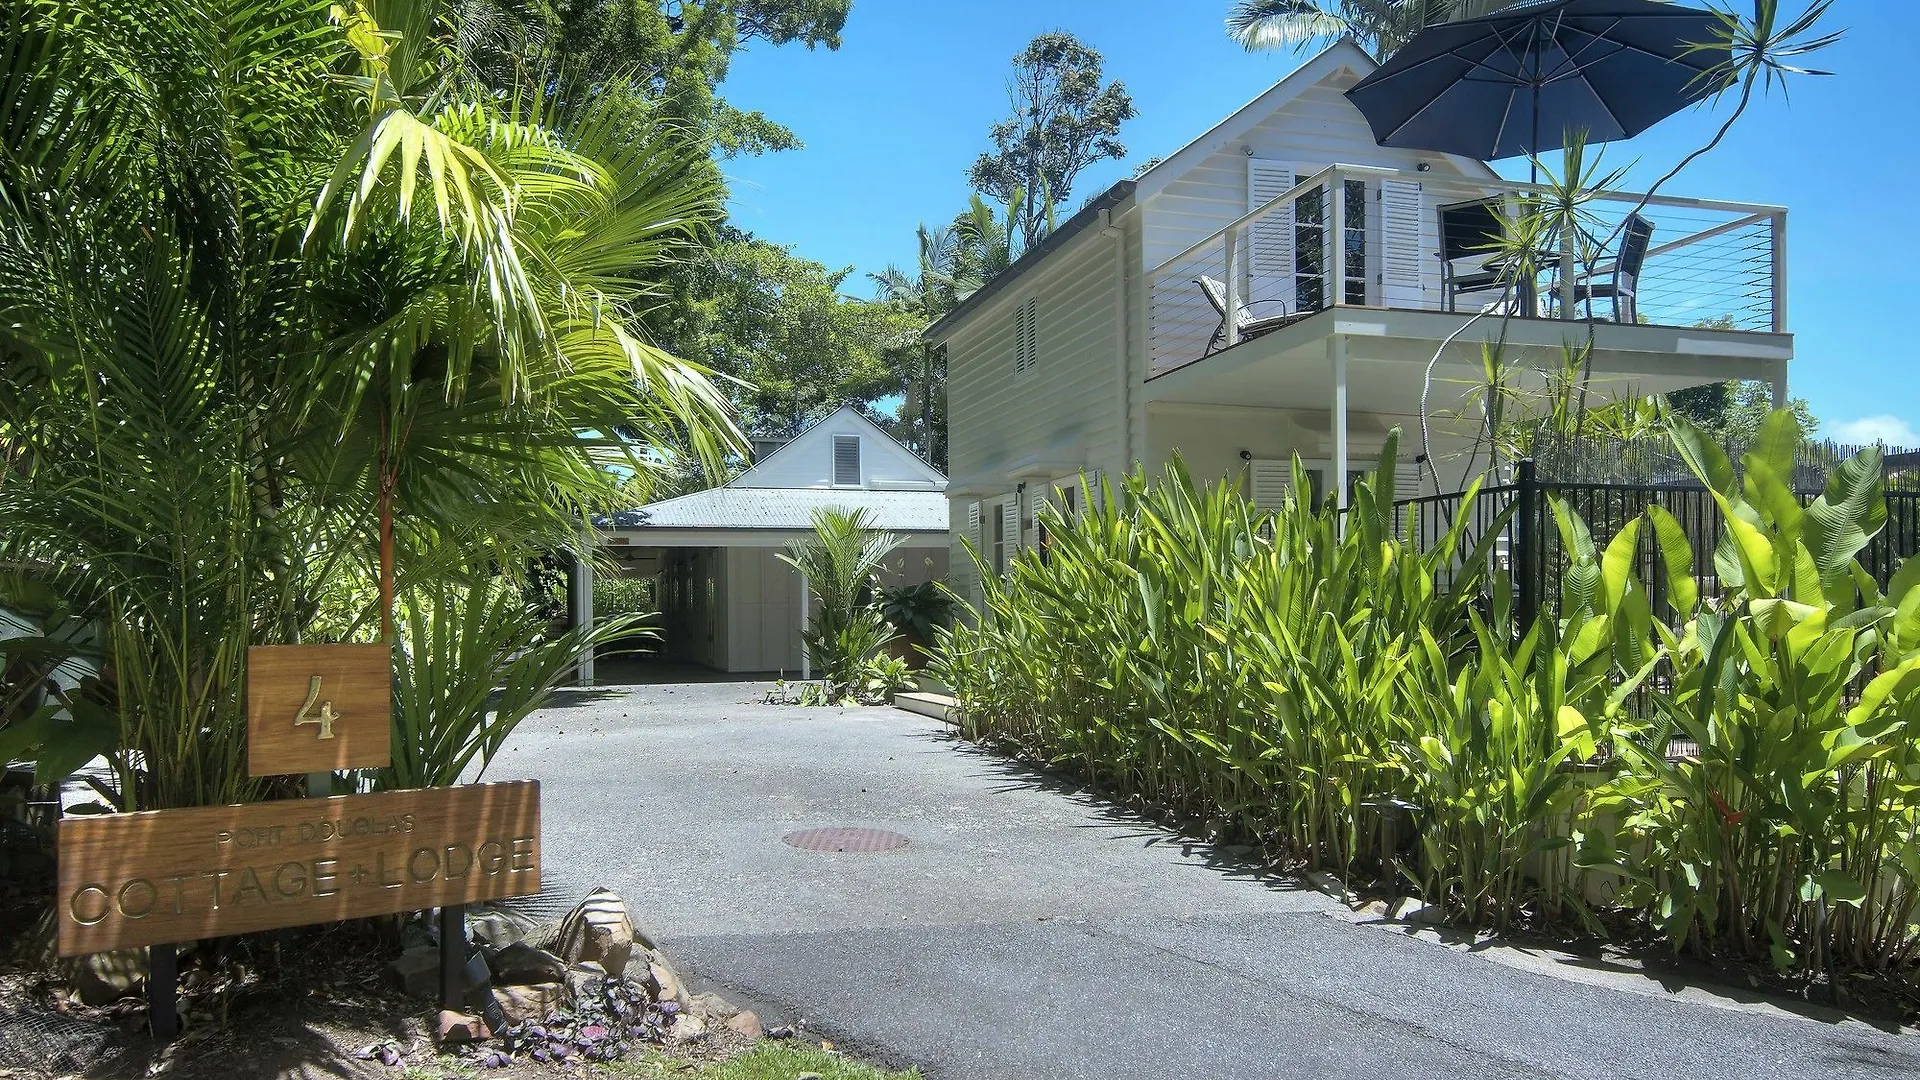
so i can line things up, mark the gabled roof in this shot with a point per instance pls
(1342, 54)
(748, 504)
(1323, 65)
(798, 443)
(786, 509)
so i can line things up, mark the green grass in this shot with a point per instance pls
(769, 1061)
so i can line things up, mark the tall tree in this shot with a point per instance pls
(1379, 26)
(778, 326)
(944, 275)
(665, 59)
(1066, 116)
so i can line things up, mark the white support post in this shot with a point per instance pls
(582, 599)
(1337, 231)
(1780, 275)
(806, 659)
(1232, 323)
(1779, 382)
(1337, 360)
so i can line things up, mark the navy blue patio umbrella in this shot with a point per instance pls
(1518, 80)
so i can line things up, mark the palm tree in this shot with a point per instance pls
(931, 290)
(1379, 26)
(284, 303)
(840, 563)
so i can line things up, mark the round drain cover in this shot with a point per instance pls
(850, 840)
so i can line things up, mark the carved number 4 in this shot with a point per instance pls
(324, 718)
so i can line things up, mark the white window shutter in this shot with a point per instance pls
(1010, 517)
(1090, 495)
(1405, 265)
(1269, 261)
(1270, 482)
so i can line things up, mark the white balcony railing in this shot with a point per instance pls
(1707, 263)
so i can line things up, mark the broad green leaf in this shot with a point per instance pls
(1617, 566)
(1755, 550)
(1847, 516)
(1842, 889)
(1676, 554)
(1704, 456)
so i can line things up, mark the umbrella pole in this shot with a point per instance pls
(1533, 151)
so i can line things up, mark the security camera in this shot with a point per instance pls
(1246, 455)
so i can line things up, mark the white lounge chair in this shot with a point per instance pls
(1246, 323)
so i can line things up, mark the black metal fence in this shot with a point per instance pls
(1528, 545)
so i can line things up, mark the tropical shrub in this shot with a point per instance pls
(285, 303)
(845, 628)
(1330, 692)
(473, 663)
(1793, 830)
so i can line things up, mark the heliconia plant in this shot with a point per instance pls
(1309, 680)
(1791, 831)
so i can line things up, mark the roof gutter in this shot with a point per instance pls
(1093, 213)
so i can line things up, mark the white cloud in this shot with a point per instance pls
(1870, 429)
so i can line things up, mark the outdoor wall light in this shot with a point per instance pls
(1246, 455)
(1425, 166)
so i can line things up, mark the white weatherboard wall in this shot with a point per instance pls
(1062, 414)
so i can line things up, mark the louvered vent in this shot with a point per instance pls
(846, 460)
(1270, 482)
(1026, 338)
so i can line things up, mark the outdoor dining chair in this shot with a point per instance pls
(1624, 288)
(1470, 259)
(1246, 323)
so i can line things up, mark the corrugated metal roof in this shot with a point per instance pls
(786, 508)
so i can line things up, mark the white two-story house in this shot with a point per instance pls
(1348, 266)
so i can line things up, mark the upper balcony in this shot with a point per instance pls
(1419, 242)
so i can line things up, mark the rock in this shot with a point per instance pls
(498, 928)
(586, 981)
(688, 1027)
(417, 972)
(808, 1076)
(520, 964)
(105, 977)
(712, 1006)
(1426, 915)
(458, 1027)
(598, 930)
(1327, 883)
(665, 984)
(745, 1024)
(522, 1004)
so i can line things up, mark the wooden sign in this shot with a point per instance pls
(183, 875)
(319, 708)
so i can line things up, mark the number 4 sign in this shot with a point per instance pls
(318, 708)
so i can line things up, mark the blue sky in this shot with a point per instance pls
(892, 120)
